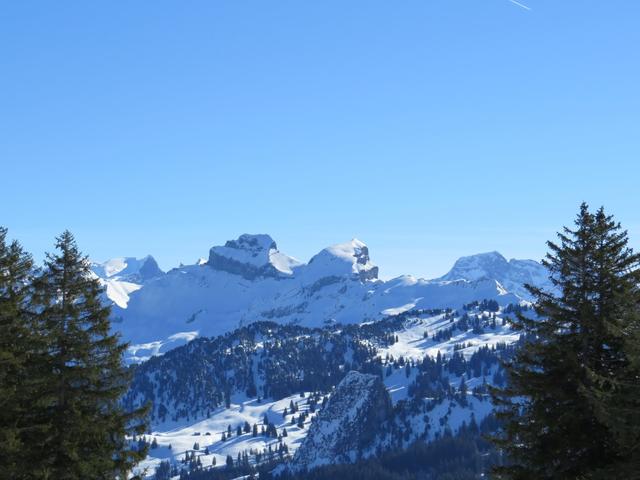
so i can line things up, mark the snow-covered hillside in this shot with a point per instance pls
(434, 365)
(347, 425)
(249, 280)
(175, 441)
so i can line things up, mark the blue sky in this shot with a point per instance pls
(428, 129)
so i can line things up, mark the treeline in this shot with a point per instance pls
(61, 371)
(268, 360)
(464, 456)
(263, 359)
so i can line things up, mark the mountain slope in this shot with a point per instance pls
(249, 280)
(347, 426)
(124, 275)
(435, 366)
(512, 274)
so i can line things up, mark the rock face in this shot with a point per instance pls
(345, 429)
(251, 256)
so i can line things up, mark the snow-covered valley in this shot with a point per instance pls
(265, 369)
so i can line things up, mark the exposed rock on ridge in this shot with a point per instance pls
(347, 426)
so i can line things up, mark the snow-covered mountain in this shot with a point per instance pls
(252, 257)
(249, 279)
(124, 275)
(129, 269)
(512, 274)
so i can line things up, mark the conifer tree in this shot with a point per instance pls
(20, 429)
(551, 408)
(87, 376)
(615, 387)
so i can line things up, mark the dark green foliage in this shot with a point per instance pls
(20, 430)
(465, 456)
(569, 409)
(163, 471)
(86, 377)
(192, 378)
(61, 372)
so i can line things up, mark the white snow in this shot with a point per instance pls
(257, 251)
(512, 274)
(411, 344)
(339, 284)
(119, 291)
(119, 268)
(350, 258)
(208, 432)
(143, 351)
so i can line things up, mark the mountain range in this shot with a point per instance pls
(248, 279)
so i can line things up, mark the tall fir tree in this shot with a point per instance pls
(615, 380)
(17, 340)
(552, 407)
(87, 375)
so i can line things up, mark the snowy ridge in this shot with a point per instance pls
(249, 280)
(512, 274)
(134, 270)
(124, 275)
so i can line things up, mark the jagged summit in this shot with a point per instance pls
(252, 256)
(257, 256)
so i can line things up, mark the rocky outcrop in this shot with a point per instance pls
(346, 428)
(148, 270)
(251, 257)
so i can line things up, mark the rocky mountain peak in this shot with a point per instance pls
(252, 256)
(128, 269)
(345, 429)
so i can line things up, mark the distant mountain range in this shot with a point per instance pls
(249, 279)
(345, 363)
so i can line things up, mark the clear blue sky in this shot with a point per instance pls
(429, 129)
